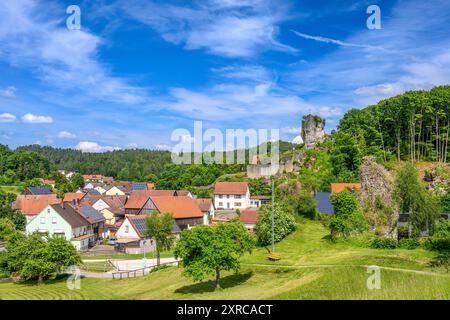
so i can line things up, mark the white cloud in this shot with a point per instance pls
(334, 41)
(290, 130)
(88, 146)
(7, 117)
(231, 28)
(162, 146)
(31, 118)
(30, 38)
(65, 135)
(9, 92)
(297, 140)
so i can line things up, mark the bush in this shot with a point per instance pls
(403, 232)
(304, 204)
(348, 219)
(408, 243)
(284, 224)
(384, 243)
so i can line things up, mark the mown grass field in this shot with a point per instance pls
(10, 189)
(311, 268)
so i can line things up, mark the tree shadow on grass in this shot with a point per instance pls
(209, 286)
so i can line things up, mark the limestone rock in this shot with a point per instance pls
(376, 198)
(312, 130)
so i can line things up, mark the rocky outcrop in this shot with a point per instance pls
(376, 198)
(312, 130)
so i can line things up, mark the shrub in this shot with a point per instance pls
(408, 243)
(348, 219)
(384, 243)
(403, 232)
(284, 224)
(304, 204)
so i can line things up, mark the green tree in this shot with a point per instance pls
(207, 250)
(7, 229)
(159, 227)
(304, 204)
(77, 181)
(413, 198)
(347, 217)
(284, 223)
(38, 257)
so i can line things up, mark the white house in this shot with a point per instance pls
(231, 195)
(63, 220)
(114, 191)
(130, 235)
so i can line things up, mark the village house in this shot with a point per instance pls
(207, 208)
(96, 222)
(75, 197)
(258, 201)
(31, 205)
(185, 211)
(249, 218)
(36, 191)
(338, 187)
(323, 202)
(113, 210)
(63, 220)
(50, 183)
(93, 178)
(130, 235)
(138, 202)
(231, 195)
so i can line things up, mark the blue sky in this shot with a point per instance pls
(137, 70)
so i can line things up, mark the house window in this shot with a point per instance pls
(53, 220)
(127, 229)
(237, 204)
(220, 196)
(228, 196)
(42, 220)
(220, 204)
(237, 196)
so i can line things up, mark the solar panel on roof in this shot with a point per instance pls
(90, 212)
(39, 190)
(140, 225)
(138, 186)
(323, 202)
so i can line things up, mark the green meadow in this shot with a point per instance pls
(311, 267)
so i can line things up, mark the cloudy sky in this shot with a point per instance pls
(137, 70)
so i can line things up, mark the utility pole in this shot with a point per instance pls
(273, 217)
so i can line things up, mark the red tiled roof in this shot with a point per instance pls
(180, 207)
(150, 186)
(338, 187)
(92, 176)
(70, 196)
(48, 182)
(261, 197)
(34, 204)
(230, 188)
(249, 216)
(204, 204)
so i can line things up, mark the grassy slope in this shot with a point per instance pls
(311, 268)
(11, 189)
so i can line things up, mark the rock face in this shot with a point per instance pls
(376, 198)
(312, 130)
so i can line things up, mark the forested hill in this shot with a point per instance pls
(138, 165)
(411, 126)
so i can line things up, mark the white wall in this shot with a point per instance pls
(122, 232)
(228, 201)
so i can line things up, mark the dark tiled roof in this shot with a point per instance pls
(39, 190)
(68, 213)
(91, 214)
(323, 203)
